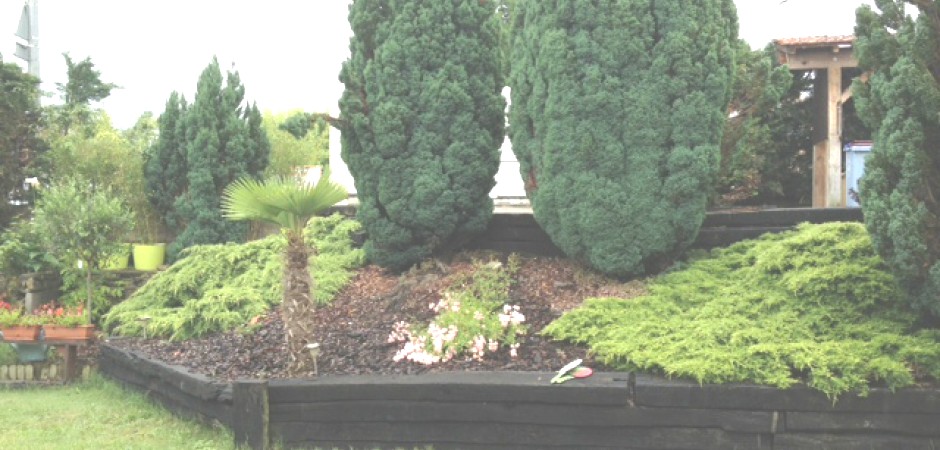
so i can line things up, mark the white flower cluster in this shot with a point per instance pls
(511, 316)
(416, 348)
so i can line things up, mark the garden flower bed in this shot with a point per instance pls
(353, 330)
(370, 392)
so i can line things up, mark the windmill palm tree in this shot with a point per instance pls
(290, 204)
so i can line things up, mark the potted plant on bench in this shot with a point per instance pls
(17, 327)
(65, 323)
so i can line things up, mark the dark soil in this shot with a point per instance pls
(353, 330)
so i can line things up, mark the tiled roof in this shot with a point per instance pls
(815, 41)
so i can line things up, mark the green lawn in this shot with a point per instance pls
(97, 414)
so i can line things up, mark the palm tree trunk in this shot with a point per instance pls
(298, 308)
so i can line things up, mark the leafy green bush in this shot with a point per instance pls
(220, 287)
(7, 355)
(21, 251)
(815, 304)
(79, 221)
(106, 291)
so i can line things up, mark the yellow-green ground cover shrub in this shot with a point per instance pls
(221, 287)
(815, 305)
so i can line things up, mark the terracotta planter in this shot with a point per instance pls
(17, 333)
(63, 333)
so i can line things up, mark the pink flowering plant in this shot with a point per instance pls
(473, 320)
(9, 316)
(66, 316)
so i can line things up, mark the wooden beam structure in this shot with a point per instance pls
(828, 56)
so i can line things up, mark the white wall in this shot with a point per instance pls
(508, 180)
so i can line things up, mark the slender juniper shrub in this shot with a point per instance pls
(814, 305)
(221, 287)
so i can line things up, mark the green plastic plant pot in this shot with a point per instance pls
(149, 257)
(119, 261)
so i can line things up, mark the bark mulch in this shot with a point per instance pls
(353, 330)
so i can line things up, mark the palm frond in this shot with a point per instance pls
(284, 201)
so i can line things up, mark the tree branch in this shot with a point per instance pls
(334, 122)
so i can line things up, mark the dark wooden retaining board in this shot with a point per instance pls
(447, 435)
(472, 387)
(190, 395)
(519, 410)
(524, 414)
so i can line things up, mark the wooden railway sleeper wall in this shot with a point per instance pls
(519, 232)
(493, 410)
(514, 229)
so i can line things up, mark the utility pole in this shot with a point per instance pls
(28, 30)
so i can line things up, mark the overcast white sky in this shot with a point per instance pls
(288, 52)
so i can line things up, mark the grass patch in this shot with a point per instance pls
(814, 305)
(221, 287)
(97, 414)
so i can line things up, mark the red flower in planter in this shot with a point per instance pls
(66, 316)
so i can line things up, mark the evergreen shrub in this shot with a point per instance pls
(900, 102)
(422, 123)
(215, 288)
(814, 305)
(616, 119)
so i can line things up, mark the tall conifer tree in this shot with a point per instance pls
(19, 135)
(202, 148)
(422, 122)
(165, 161)
(616, 119)
(900, 102)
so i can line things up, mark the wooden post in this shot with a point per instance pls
(834, 150)
(250, 414)
(820, 165)
(827, 56)
(70, 361)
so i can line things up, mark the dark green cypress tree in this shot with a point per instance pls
(202, 148)
(165, 161)
(20, 144)
(900, 102)
(422, 122)
(616, 119)
(761, 161)
(257, 135)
